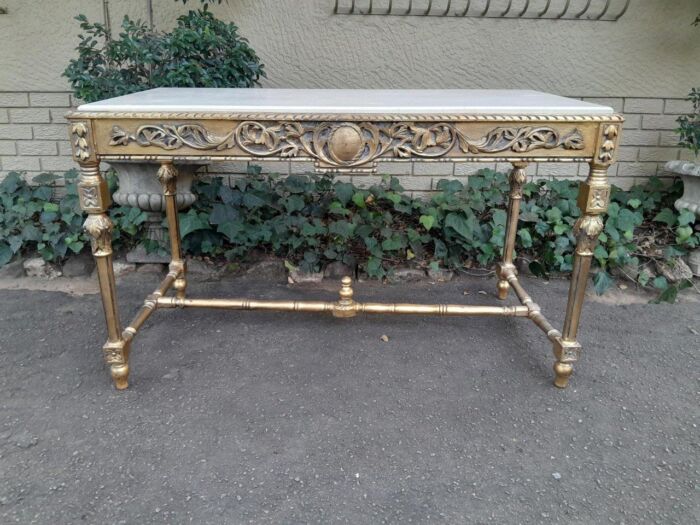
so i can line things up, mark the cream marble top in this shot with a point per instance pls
(349, 101)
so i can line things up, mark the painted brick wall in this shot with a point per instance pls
(34, 138)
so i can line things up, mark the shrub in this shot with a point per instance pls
(312, 220)
(689, 125)
(30, 221)
(201, 51)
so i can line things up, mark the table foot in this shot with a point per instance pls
(562, 373)
(120, 376)
(503, 288)
(566, 353)
(503, 271)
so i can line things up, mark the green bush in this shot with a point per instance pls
(201, 51)
(689, 125)
(31, 221)
(312, 220)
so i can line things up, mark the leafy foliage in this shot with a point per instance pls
(312, 220)
(689, 125)
(30, 221)
(201, 51)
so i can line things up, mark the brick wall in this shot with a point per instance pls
(33, 138)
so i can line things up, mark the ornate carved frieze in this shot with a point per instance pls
(349, 144)
(171, 136)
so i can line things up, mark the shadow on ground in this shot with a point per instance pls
(236, 417)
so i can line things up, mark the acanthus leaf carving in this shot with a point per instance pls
(79, 138)
(169, 137)
(607, 148)
(348, 144)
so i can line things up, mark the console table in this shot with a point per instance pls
(343, 131)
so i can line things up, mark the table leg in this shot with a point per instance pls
(167, 174)
(95, 200)
(517, 180)
(594, 195)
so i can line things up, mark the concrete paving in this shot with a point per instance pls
(244, 417)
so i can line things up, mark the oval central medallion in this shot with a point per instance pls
(345, 143)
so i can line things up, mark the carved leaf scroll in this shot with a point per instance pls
(347, 144)
(169, 137)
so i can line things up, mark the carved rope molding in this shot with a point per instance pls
(348, 144)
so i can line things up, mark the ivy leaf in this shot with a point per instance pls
(192, 221)
(634, 203)
(294, 203)
(542, 228)
(683, 234)
(666, 216)
(250, 200)
(344, 191)
(560, 229)
(602, 281)
(525, 238)
(338, 209)
(341, 228)
(459, 224)
(601, 254)
(500, 217)
(660, 282)
(395, 242)
(686, 217)
(5, 253)
(427, 221)
(374, 267)
(553, 215)
(43, 193)
(359, 200)
(222, 214)
(627, 219)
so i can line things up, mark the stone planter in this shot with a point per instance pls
(690, 200)
(139, 187)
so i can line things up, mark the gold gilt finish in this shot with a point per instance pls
(337, 143)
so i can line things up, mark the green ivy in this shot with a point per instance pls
(32, 222)
(313, 220)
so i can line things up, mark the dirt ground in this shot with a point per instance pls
(247, 417)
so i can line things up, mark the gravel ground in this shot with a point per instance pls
(244, 417)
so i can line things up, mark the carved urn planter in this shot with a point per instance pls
(139, 187)
(690, 200)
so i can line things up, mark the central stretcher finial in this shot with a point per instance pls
(345, 307)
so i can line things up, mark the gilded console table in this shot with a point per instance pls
(343, 131)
